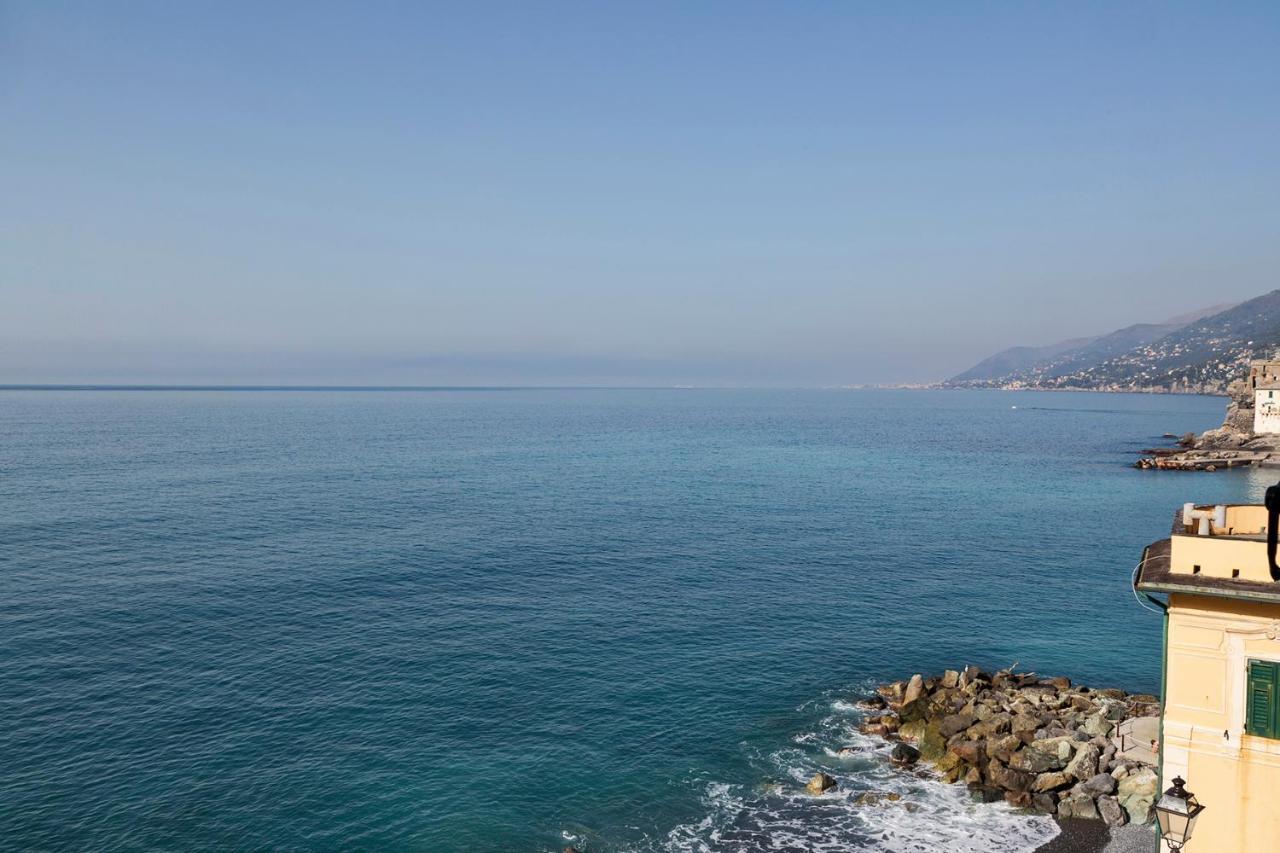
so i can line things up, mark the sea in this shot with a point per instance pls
(520, 620)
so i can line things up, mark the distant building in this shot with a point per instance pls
(1264, 371)
(1266, 408)
(1220, 723)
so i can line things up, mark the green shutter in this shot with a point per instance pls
(1260, 719)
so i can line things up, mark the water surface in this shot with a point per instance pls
(497, 620)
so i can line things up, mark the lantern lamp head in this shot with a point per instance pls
(1177, 812)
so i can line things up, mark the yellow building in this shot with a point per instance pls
(1220, 730)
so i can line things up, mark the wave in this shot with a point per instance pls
(876, 808)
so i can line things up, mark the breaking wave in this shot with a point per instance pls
(876, 808)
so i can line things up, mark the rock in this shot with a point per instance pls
(1085, 763)
(950, 679)
(1120, 772)
(1003, 747)
(1078, 805)
(1009, 779)
(971, 751)
(1046, 803)
(953, 724)
(821, 783)
(1050, 782)
(877, 729)
(973, 776)
(893, 796)
(1034, 761)
(1058, 681)
(1102, 783)
(867, 798)
(1137, 793)
(893, 692)
(1023, 723)
(1113, 814)
(913, 730)
(904, 756)
(1018, 799)
(872, 703)
(986, 793)
(993, 725)
(915, 689)
(1061, 748)
(916, 709)
(1097, 726)
(932, 745)
(1081, 703)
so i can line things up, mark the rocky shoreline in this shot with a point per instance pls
(1034, 742)
(1232, 445)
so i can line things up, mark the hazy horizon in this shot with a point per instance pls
(573, 194)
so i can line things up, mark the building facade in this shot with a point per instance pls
(1220, 727)
(1266, 408)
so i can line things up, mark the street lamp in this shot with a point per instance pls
(1177, 812)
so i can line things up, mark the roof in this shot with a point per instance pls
(1154, 575)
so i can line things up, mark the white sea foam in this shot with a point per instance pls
(929, 816)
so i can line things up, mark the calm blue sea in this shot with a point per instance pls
(515, 620)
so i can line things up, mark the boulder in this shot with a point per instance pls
(1097, 726)
(1023, 723)
(986, 793)
(916, 709)
(1102, 783)
(1046, 803)
(995, 724)
(1009, 779)
(912, 730)
(1003, 747)
(872, 703)
(820, 784)
(932, 744)
(904, 755)
(953, 724)
(914, 689)
(1085, 763)
(973, 776)
(1137, 793)
(1034, 761)
(1061, 748)
(1113, 814)
(1018, 799)
(950, 679)
(1078, 805)
(972, 751)
(1050, 782)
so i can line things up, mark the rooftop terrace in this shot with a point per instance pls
(1212, 550)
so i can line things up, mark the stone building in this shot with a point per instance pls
(1266, 408)
(1220, 721)
(1264, 371)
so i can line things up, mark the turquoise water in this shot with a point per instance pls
(512, 620)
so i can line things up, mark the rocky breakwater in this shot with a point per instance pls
(1039, 743)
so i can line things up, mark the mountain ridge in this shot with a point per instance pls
(1199, 352)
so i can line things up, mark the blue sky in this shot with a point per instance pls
(607, 193)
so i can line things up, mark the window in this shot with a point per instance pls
(1262, 714)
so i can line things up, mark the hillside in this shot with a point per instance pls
(1199, 352)
(1018, 360)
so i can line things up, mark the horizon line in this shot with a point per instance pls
(81, 386)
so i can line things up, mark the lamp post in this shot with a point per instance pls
(1177, 812)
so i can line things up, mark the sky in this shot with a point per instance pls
(609, 193)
